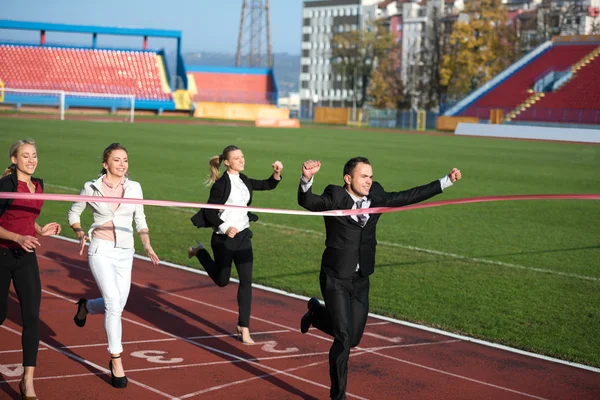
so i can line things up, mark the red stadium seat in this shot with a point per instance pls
(514, 90)
(233, 87)
(82, 70)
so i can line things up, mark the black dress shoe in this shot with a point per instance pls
(313, 305)
(80, 322)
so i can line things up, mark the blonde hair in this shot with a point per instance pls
(106, 154)
(14, 151)
(215, 164)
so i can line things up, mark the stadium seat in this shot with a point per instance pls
(233, 88)
(514, 90)
(83, 70)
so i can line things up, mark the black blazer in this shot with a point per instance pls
(9, 184)
(346, 243)
(219, 193)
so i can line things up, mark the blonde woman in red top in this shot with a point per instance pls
(18, 244)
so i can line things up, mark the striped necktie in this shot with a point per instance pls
(362, 218)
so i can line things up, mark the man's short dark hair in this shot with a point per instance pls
(353, 162)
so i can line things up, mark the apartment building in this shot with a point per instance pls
(320, 85)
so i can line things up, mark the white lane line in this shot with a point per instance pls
(458, 376)
(286, 373)
(299, 368)
(407, 247)
(203, 346)
(258, 359)
(161, 340)
(380, 317)
(19, 350)
(81, 346)
(377, 323)
(389, 339)
(231, 335)
(95, 366)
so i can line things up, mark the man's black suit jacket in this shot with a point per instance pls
(219, 193)
(347, 244)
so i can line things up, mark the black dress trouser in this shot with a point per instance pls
(344, 317)
(227, 250)
(21, 268)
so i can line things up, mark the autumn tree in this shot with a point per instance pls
(595, 27)
(481, 46)
(354, 55)
(386, 90)
(431, 90)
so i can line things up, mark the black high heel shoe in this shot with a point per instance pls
(22, 391)
(119, 382)
(80, 322)
(192, 251)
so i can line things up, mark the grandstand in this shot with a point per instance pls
(234, 85)
(139, 73)
(88, 70)
(91, 75)
(236, 93)
(559, 82)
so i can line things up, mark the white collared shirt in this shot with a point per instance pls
(122, 218)
(239, 196)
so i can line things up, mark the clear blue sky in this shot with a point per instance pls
(206, 25)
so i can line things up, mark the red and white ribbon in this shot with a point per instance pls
(331, 213)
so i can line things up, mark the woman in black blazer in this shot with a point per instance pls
(231, 237)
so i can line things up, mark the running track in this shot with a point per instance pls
(178, 345)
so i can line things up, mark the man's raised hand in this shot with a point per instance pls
(310, 168)
(454, 175)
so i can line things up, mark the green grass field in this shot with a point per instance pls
(523, 273)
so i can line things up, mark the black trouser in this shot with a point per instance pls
(22, 268)
(344, 317)
(227, 250)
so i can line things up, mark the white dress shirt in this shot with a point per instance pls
(239, 196)
(122, 217)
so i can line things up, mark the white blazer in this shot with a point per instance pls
(122, 217)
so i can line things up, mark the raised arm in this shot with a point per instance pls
(271, 182)
(421, 193)
(306, 198)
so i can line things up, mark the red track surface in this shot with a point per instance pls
(177, 338)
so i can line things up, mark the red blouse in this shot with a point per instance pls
(20, 217)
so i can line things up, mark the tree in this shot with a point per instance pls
(431, 61)
(595, 27)
(481, 46)
(386, 90)
(354, 55)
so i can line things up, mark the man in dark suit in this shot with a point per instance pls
(349, 256)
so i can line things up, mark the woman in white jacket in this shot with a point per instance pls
(111, 250)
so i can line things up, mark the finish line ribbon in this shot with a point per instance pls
(330, 213)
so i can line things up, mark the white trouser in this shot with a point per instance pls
(111, 267)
